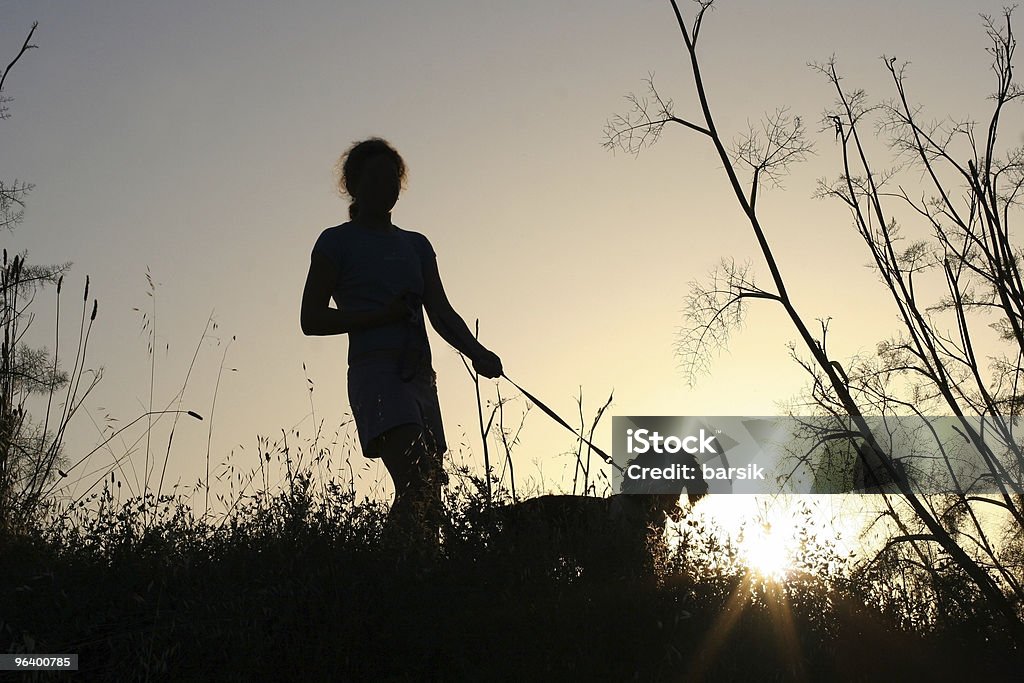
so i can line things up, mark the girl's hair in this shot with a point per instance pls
(350, 166)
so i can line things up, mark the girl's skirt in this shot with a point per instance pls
(381, 399)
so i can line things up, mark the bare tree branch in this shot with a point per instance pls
(25, 47)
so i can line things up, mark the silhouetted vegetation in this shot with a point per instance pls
(294, 584)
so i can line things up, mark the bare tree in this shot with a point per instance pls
(12, 193)
(967, 207)
(30, 453)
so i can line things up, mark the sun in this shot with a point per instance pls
(766, 550)
(776, 538)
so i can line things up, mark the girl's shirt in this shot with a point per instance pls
(375, 266)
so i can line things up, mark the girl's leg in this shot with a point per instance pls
(418, 474)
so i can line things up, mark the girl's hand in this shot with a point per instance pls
(488, 364)
(399, 309)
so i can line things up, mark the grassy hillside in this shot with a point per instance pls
(296, 586)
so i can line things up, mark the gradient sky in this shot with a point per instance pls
(197, 139)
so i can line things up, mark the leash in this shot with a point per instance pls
(412, 357)
(540, 404)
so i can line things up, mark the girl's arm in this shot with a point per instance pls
(450, 325)
(318, 318)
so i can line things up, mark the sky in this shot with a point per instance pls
(196, 141)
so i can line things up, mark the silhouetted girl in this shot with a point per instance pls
(382, 278)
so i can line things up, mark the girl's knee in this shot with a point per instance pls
(411, 463)
(398, 446)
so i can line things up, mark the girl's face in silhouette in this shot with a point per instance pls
(378, 185)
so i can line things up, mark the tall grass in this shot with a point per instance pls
(293, 581)
(31, 459)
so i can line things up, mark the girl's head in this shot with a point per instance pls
(372, 174)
